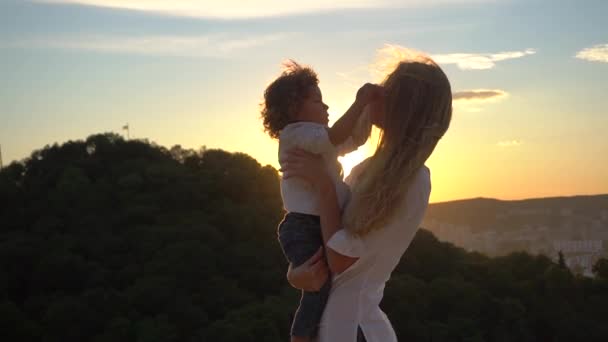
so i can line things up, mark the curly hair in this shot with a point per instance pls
(284, 96)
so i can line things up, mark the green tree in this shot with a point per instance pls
(561, 261)
(113, 240)
(600, 268)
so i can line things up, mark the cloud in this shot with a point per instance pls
(216, 45)
(471, 100)
(509, 143)
(596, 53)
(479, 95)
(390, 55)
(479, 61)
(238, 9)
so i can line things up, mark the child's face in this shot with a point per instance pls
(313, 109)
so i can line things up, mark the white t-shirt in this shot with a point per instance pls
(356, 293)
(299, 195)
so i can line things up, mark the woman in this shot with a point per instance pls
(390, 193)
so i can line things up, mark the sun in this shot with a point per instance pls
(352, 159)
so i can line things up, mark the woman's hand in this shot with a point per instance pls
(306, 165)
(311, 275)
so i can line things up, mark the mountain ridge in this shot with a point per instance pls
(491, 199)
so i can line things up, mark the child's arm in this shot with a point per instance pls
(342, 129)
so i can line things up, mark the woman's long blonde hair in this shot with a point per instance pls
(418, 110)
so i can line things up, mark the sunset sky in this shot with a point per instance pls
(529, 78)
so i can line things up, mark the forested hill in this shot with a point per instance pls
(114, 240)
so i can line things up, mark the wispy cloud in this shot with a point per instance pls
(473, 101)
(216, 45)
(596, 53)
(389, 55)
(479, 61)
(235, 9)
(479, 95)
(510, 143)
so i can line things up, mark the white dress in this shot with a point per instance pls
(356, 293)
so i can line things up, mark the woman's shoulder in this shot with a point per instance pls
(413, 203)
(423, 177)
(416, 198)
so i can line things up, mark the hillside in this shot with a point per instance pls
(113, 240)
(576, 226)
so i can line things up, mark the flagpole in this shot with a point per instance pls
(126, 127)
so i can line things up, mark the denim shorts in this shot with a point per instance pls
(300, 237)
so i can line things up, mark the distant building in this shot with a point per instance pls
(543, 227)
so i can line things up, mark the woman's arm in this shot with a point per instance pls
(331, 222)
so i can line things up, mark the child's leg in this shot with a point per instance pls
(300, 238)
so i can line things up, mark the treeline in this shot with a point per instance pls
(114, 240)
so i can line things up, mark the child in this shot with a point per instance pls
(293, 111)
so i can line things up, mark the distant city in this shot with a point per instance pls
(576, 226)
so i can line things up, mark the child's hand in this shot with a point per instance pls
(368, 93)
